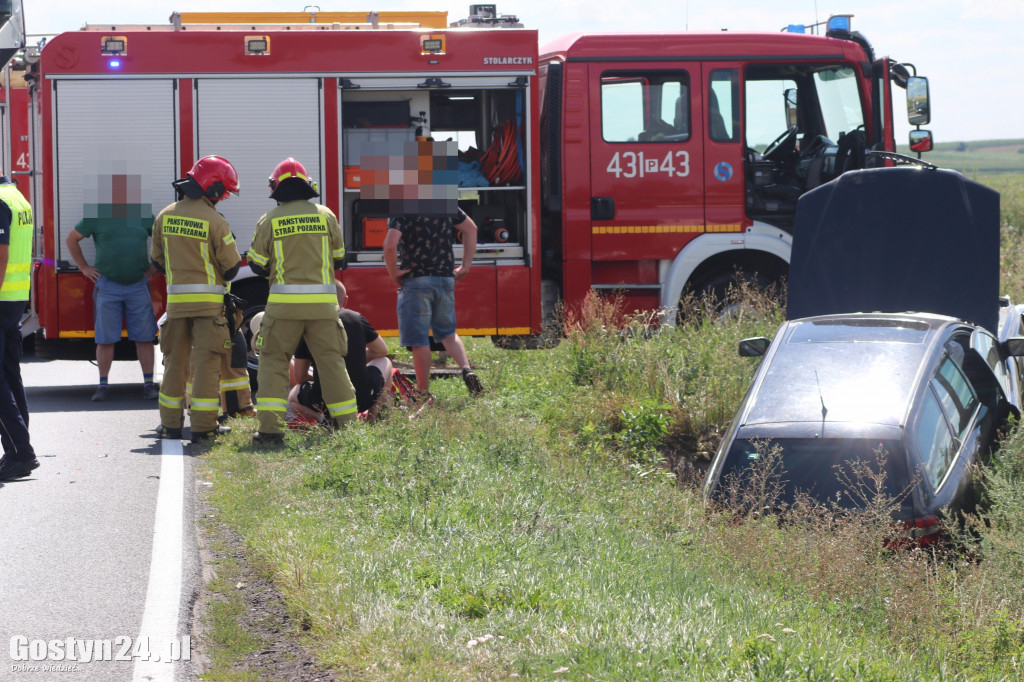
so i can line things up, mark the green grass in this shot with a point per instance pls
(973, 158)
(553, 529)
(227, 639)
(538, 532)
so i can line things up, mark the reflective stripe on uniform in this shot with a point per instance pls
(302, 298)
(171, 402)
(195, 298)
(204, 248)
(168, 270)
(205, 405)
(229, 239)
(258, 258)
(279, 261)
(234, 384)
(303, 289)
(197, 289)
(271, 404)
(338, 409)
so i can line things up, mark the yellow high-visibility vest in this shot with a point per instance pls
(19, 253)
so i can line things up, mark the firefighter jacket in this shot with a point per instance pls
(19, 243)
(196, 250)
(295, 246)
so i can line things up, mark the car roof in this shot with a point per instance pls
(860, 368)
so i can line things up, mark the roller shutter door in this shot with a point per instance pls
(107, 128)
(255, 123)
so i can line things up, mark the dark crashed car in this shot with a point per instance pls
(919, 396)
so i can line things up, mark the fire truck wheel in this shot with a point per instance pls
(729, 295)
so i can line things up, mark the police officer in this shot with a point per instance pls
(15, 265)
(194, 247)
(298, 246)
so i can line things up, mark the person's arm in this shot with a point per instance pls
(391, 240)
(156, 248)
(377, 348)
(75, 249)
(259, 252)
(468, 229)
(225, 250)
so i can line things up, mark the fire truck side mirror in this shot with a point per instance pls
(918, 109)
(790, 98)
(921, 140)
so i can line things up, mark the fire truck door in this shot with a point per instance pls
(116, 153)
(646, 159)
(255, 123)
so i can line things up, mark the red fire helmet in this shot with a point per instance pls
(216, 176)
(289, 168)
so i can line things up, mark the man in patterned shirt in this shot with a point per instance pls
(426, 287)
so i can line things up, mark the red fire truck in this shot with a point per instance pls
(641, 164)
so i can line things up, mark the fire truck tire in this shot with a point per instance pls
(723, 293)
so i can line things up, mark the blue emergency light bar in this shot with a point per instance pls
(839, 22)
(836, 22)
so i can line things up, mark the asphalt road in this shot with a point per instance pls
(77, 537)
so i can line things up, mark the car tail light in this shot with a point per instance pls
(919, 532)
(925, 529)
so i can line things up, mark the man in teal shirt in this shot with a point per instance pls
(121, 231)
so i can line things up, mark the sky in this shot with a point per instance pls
(970, 50)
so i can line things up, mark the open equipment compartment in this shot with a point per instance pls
(485, 117)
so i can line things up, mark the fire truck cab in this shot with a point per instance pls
(674, 162)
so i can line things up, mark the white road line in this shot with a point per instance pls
(163, 596)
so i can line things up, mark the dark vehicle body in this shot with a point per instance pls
(904, 348)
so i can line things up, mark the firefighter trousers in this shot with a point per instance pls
(328, 344)
(199, 342)
(235, 393)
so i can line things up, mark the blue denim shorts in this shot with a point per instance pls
(425, 304)
(131, 303)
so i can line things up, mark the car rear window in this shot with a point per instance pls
(859, 331)
(820, 468)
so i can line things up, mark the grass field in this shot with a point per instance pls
(553, 529)
(973, 158)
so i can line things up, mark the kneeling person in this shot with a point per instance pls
(366, 362)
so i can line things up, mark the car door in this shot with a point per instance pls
(953, 428)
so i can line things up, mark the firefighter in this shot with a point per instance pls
(194, 247)
(298, 246)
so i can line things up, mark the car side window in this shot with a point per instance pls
(955, 395)
(935, 442)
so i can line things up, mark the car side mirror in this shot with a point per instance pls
(756, 347)
(1014, 346)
